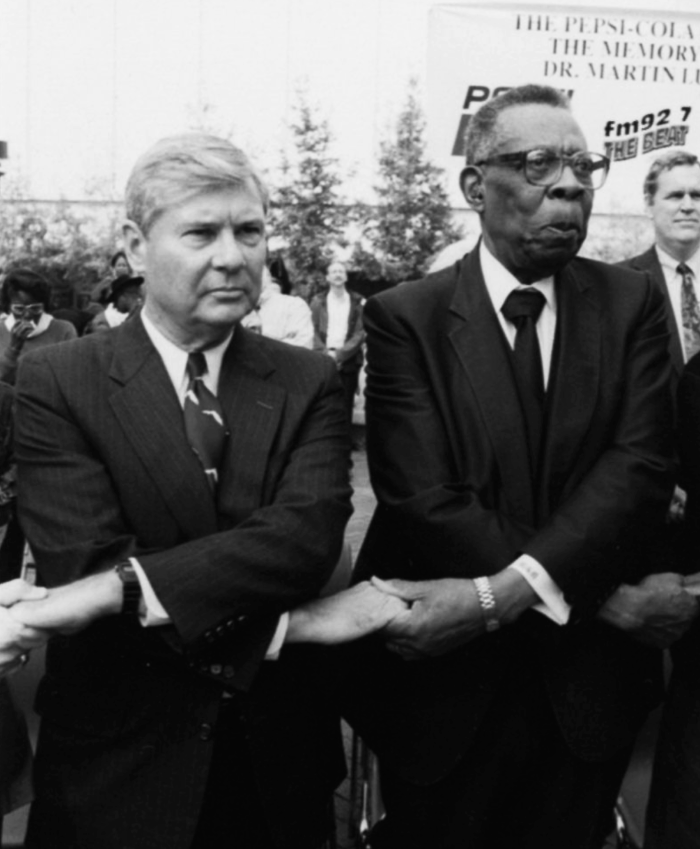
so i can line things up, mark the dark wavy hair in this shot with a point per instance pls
(28, 281)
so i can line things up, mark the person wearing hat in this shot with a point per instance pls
(125, 298)
(25, 298)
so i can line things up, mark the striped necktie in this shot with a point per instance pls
(690, 312)
(204, 419)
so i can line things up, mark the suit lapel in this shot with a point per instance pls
(148, 410)
(573, 381)
(649, 261)
(478, 341)
(253, 407)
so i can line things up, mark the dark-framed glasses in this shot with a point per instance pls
(543, 166)
(26, 310)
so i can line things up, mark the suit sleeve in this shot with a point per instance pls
(596, 537)
(234, 582)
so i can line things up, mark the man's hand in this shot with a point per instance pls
(656, 612)
(346, 616)
(443, 615)
(72, 607)
(16, 639)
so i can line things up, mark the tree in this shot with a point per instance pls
(306, 212)
(413, 220)
(70, 249)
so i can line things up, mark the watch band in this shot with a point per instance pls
(487, 601)
(131, 599)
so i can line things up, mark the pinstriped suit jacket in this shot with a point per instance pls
(106, 472)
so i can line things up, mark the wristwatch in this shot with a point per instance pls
(131, 599)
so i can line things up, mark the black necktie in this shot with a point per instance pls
(204, 419)
(522, 308)
(690, 312)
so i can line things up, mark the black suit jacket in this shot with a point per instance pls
(449, 463)
(648, 263)
(106, 472)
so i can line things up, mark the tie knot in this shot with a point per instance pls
(523, 303)
(684, 270)
(196, 365)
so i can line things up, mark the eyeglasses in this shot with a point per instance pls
(26, 310)
(544, 167)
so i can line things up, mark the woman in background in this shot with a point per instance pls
(25, 298)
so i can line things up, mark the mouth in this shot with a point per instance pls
(562, 229)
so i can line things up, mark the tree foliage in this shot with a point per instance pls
(307, 215)
(71, 249)
(413, 219)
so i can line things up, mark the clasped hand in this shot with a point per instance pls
(16, 637)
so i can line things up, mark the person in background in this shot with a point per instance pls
(118, 267)
(338, 330)
(280, 316)
(29, 326)
(126, 297)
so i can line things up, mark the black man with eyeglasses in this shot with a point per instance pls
(519, 441)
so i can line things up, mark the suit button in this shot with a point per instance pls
(241, 618)
(216, 669)
(229, 671)
(220, 630)
(205, 731)
(231, 624)
(210, 636)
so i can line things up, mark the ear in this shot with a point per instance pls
(649, 206)
(134, 246)
(471, 181)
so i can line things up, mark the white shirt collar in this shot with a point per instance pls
(668, 263)
(175, 358)
(500, 282)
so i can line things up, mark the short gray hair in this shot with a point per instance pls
(481, 134)
(666, 162)
(178, 167)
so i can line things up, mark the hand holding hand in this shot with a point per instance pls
(16, 639)
(656, 612)
(345, 616)
(443, 615)
(72, 607)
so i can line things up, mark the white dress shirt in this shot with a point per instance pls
(499, 284)
(674, 280)
(175, 362)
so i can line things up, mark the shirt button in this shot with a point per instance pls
(216, 669)
(205, 731)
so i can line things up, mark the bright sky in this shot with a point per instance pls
(87, 85)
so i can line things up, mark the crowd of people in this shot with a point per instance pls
(183, 484)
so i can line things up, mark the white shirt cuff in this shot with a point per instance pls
(553, 605)
(155, 614)
(273, 650)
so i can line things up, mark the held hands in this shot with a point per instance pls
(16, 638)
(72, 607)
(657, 611)
(446, 613)
(345, 616)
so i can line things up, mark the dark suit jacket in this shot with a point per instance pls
(449, 464)
(349, 357)
(106, 472)
(648, 263)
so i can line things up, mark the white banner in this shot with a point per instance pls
(633, 79)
